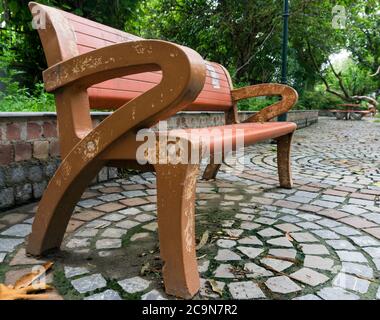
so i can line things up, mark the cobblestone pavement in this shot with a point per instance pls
(320, 240)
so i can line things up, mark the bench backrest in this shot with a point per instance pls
(67, 35)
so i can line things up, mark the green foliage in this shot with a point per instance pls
(21, 100)
(243, 35)
(318, 100)
(254, 104)
(363, 38)
(13, 97)
(356, 79)
(20, 38)
(64, 287)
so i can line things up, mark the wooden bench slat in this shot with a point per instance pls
(112, 99)
(130, 84)
(91, 35)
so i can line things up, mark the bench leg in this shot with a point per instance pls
(211, 171)
(176, 185)
(56, 207)
(284, 144)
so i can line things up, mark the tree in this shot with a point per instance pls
(243, 35)
(24, 42)
(362, 38)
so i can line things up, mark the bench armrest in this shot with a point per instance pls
(183, 77)
(288, 94)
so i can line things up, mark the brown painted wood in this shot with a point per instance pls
(284, 144)
(176, 219)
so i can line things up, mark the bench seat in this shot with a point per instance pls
(250, 133)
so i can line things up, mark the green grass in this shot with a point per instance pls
(64, 287)
(114, 285)
(3, 270)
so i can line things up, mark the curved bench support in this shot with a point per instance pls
(176, 185)
(284, 168)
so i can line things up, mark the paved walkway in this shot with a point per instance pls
(320, 240)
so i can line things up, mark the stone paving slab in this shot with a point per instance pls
(133, 285)
(245, 290)
(106, 295)
(282, 285)
(319, 240)
(89, 283)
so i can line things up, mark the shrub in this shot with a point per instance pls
(317, 100)
(21, 100)
(16, 99)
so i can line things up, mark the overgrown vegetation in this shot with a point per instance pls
(243, 35)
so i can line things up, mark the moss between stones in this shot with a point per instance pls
(63, 285)
(125, 240)
(114, 285)
(4, 268)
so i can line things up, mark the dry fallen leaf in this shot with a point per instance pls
(10, 293)
(101, 226)
(28, 279)
(144, 268)
(204, 240)
(24, 289)
(289, 237)
(282, 258)
(215, 287)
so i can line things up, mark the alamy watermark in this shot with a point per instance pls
(339, 17)
(180, 146)
(39, 18)
(39, 282)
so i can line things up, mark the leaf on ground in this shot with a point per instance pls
(289, 237)
(144, 268)
(101, 226)
(204, 240)
(10, 293)
(377, 184)
(25, 287)
(215, 287)
(28, 279)
(282, 258)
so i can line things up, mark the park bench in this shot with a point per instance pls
(145, 81)
(350, 111)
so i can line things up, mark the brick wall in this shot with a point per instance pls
(29, 149)
(29, 156)
(26, 140)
